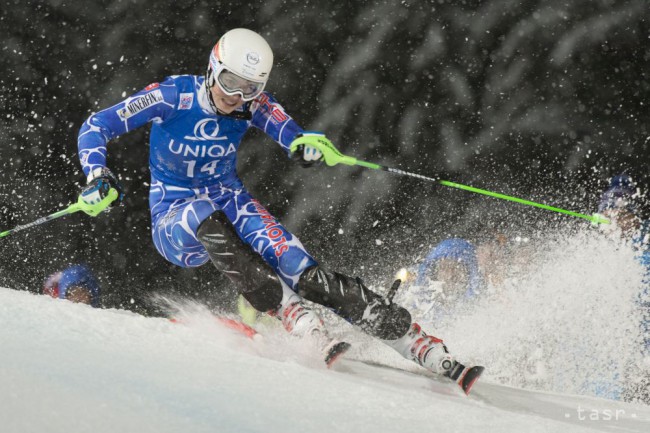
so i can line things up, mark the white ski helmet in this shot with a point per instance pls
(240, 62)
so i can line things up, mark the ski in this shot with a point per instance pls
(464, 376)
(334, 352)
(238, 326)
(470, 377)
(235, 325)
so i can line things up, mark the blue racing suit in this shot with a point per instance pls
(193, 160)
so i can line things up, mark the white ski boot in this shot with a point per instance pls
(302, 321)
(431, 353)
(426, 350)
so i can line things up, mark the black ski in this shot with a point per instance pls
(471, 377)
(465, 377)
(334, 352)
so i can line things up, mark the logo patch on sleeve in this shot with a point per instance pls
(186, 100)
(152, 86)
(137, 104)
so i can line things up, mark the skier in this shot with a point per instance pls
(201, 211)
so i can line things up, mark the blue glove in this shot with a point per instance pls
(99, 184)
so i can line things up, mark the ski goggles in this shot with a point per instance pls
(232, 84)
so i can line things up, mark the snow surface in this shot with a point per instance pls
(69, 368)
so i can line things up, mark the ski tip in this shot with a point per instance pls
(335, 352)
(470, 377)
(238, 326)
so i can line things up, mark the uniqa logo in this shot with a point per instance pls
(199, 150)
(206, 129)
(253, 58)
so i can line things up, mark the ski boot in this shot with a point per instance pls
(302, 321)
(431, 353)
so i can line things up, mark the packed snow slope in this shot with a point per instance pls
(69, 368)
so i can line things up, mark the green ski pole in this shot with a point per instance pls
(332, 156)
(80, 205)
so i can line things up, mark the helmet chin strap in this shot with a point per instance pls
(245, 114)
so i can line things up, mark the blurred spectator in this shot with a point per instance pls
(456, 272)
(503, 259)
(75, 283)
(621, 203)
(452, 262)
(493, 257)
(446, 279)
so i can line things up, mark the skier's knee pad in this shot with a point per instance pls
(252, 276)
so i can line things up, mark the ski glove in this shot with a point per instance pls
(99, 184)
(304, 148)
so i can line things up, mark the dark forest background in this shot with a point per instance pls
(543, 99)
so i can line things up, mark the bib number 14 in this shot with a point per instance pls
(208, 168)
